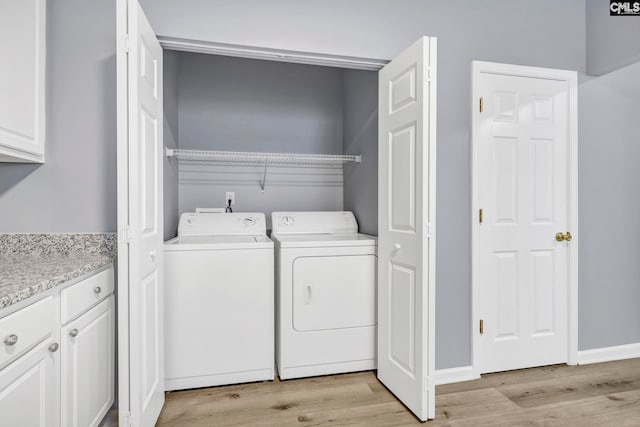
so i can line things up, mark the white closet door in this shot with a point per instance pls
(140, 280)
(406, 215)
(523, 189)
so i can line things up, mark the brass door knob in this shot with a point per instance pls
(560, 237)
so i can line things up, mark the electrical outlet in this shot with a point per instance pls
(230, 196)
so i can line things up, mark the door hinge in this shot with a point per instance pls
(125, 45)
(428, 76)
(481, 326)
(481, 104)
(428, 229)
(124, 234)
(127, 419)
(428, 383)
(480, 216)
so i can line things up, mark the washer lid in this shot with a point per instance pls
(190, 243)
(323, 240)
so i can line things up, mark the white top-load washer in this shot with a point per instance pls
(325, 294)
(219, 301)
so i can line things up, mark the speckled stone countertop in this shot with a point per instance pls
(33, 263)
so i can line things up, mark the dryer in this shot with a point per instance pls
(219, 301)
(325, 294)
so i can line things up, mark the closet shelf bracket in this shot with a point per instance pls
(264, 177)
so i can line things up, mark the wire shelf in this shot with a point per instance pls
(241, 158)
(262, 160)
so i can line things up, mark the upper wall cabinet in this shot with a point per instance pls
(22, 80)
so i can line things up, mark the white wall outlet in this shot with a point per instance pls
(231, 195)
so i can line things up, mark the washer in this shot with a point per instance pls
(219, 301)
(325, 294)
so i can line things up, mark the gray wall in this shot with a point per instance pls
(360, 100)
(239, 104)
(609, 209)
(612, 41)
(242, 104)
(75, 190)
(170, 91)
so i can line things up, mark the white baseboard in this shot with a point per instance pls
(455, 375)
(608, 354)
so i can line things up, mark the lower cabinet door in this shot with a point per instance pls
(28, 388)
(88, 355)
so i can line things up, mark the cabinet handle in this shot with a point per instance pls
(73, 332)
(11, 339)
(97, 290)
(53, 347)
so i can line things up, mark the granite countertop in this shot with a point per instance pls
(34, 263)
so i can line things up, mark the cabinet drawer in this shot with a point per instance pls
(80, 297)
(25, 328)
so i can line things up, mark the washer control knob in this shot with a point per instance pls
(249, 221)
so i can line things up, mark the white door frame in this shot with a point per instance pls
(571, 79)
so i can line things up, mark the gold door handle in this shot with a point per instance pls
(560, 237)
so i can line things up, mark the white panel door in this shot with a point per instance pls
(88, 368)
(406, 220)
(522, 189)
(140, 216)
(29, 393)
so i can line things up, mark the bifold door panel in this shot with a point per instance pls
(140, 254)
(406, 220)
(334, 292)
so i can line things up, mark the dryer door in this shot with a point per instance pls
(334, 292)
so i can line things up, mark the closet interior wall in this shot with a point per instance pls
(170, 123)
(238, 104)
(360, 101)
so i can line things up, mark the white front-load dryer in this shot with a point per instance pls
(325, 294)
(219, 301)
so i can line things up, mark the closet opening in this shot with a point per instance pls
(229, 104)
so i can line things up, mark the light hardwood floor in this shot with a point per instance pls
(605, 394)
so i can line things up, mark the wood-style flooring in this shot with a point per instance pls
(605, 394)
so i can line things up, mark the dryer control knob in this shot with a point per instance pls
(287, 220)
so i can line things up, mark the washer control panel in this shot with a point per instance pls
(222, 224)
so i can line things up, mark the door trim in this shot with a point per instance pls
(571, 79)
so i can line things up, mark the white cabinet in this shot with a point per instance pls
(88, 366)
(57, 357)
(22, 80)
(28, 393)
